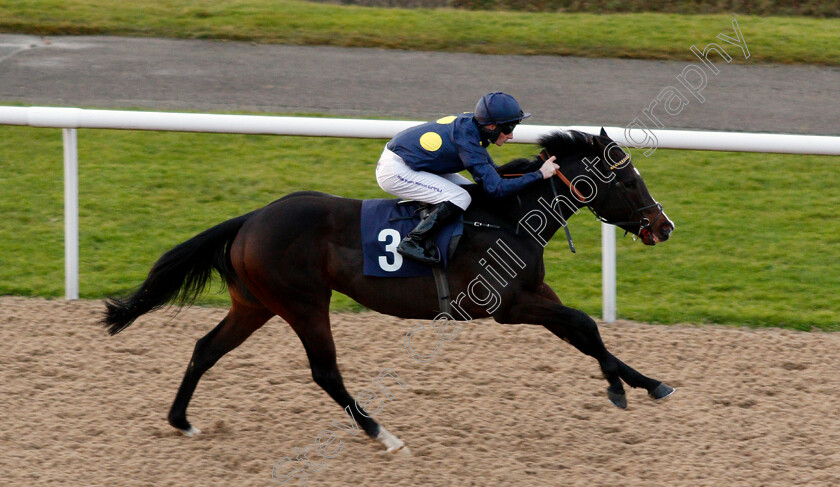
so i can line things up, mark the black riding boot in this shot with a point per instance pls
(415, 243)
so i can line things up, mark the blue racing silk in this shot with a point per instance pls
(451, 144)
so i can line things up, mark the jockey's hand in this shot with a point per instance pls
(549, 168)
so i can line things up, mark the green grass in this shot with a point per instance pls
(639, 35)
(757, 239)
(815, 8)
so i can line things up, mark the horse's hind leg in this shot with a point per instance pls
(312, 325)
(237, 326)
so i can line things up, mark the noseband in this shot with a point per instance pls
(644, 223)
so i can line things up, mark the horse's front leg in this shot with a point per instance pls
(656, 389)
(581, 331)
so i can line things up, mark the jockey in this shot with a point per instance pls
(422, 163)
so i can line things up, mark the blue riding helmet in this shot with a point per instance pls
(498, 108)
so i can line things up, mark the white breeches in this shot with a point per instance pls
(396, 178)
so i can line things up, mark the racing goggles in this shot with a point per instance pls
(507, 128)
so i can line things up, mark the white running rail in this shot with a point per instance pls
(71, 119)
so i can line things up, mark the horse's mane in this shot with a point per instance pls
(558, 144)
(568, 142)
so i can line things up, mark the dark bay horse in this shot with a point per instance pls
(286, 259)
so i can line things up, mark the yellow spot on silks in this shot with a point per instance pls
(431, 141)
(446, 120)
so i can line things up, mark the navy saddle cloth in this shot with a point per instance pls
(384, 225)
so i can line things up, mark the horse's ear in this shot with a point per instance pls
(604, 132)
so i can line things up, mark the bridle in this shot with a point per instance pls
(644, 223)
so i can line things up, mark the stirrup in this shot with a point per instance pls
(413, 250)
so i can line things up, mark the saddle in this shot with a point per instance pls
(385, 223)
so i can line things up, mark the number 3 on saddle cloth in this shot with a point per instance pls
(385, 224)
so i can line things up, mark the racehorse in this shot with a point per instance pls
(286, 259)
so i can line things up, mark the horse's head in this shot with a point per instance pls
(601, 176)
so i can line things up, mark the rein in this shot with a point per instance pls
(644, 223)
(543, 155)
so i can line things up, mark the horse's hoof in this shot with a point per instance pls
(190, 432)
(662, 391)
(392, 444)
(620, 400)
(402, 451)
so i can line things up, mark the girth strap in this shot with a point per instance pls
(442, 285)
(438, 271)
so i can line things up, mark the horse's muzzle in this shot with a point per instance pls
(665, 231)
(658, 233)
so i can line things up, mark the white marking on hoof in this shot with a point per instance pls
(190, 432)
(673, 390)
(393, 444)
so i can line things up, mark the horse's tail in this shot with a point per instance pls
(179, 275)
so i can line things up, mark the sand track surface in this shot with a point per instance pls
(498, 405)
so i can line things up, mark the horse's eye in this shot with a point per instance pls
(630, 184)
